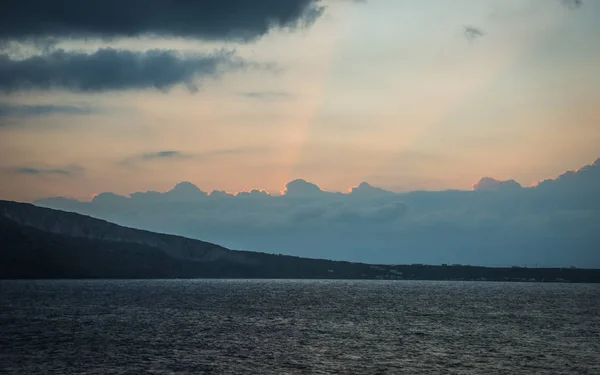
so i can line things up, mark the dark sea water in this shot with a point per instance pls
(298, 327)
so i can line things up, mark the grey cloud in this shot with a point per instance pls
(307, 213)
(174, 155)
(164, 155)
(254, 193)
(241, 20)
(23, 110)
(34, 171)
(472, 33)
(346, 212)
(205, 155)
(368, 214)
(267, 95)
(154, 156)
(185, 191)
(113, 69)
(554, 223)
(220, 194)
(581, 185)
(491, 184)
(302, 189)
(572, 4)
(365, 190)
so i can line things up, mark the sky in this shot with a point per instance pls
(407, 95)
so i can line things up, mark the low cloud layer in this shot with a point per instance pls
(556, 223)
(201, 19)
(113, 69)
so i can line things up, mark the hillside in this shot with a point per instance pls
(38, 242)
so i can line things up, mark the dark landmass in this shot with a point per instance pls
(41, 243)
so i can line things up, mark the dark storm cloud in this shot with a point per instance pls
(113, 69)
(572, 4)
(34, 171)
(472, 33)
(200, 19)
(18, 110)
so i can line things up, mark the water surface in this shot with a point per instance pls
(298, 327)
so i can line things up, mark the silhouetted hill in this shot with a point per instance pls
(38, 242)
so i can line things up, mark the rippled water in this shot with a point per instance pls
(298, 327)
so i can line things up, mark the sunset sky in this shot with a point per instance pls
(406, 95)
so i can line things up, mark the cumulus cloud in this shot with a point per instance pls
(302, 189)
(24, 110)
(254, 193)
(472, 33)
(555, 222)
(240, 20)
(114, 69)
(185, 190)
(491, 184)
(585, 179)
(365, 190)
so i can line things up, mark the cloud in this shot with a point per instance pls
(491, 184)
(472, 33)
(553, 224)
(185, 191)
(114, 69)
(211, 154)
(22, 110)
(164, 155)
(155, 156)
(267, 95)
(365, 190)
(302, 189)
(34, 171)
(307, 213)
(240, 20)
(176, 155)
(583, 180)
(572, 4)
(368, 214)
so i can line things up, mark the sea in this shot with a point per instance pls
(298, 327)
